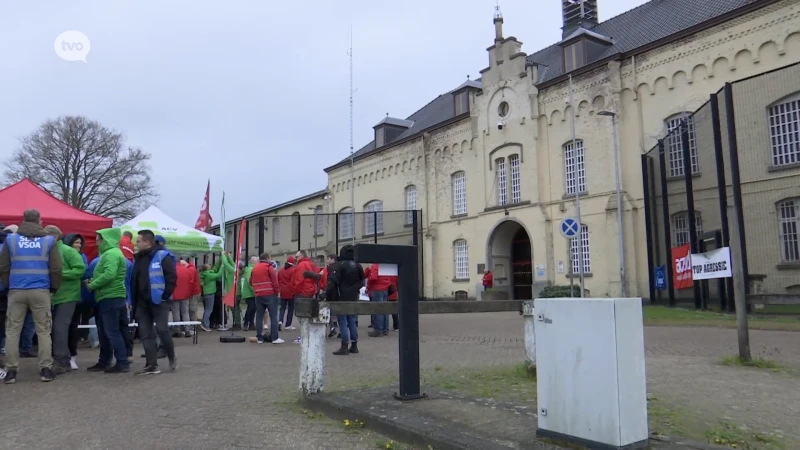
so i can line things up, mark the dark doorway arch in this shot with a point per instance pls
(521, 266)
(509, 257)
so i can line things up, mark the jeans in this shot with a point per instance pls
(180, 312)
(348, 328)
(126, 330)
(112, 342)
(208, 308)
(269, 303)
(250, 313)
(195, 303)
(2, 332)
(26, 336)
(62, 321)
(22, 302)
(287, 304)
(146, 315)
(380, 322)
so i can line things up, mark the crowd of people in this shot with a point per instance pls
(48, 288)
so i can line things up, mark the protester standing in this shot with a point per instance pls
(248, 294)
(265, 285)
(285, 276)
(82, 311)
(179, 305)
(3, 309)
(345, 278)
(126, 245)
(196, 301)
(35, 258)
(208, 279)
(378, 287)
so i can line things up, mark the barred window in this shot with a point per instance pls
(411, 203)
(346, 223)
(675, 145)
(788, 226)
(575, 245)
(459, 187)
(680, 226)
(784, 130)
(574, 167)
(319, 223)
(373, 217)
(500, 171)
(516, 181)
(296, 226)
(461, 257)
(276, 230)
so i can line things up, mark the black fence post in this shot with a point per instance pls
(662, 162)
(260, 235)
(733, 148)
(298, 230)
(687, 177)
(375, 225)
(336, 217)
(726, 298)
(722, 282)
(648, 226)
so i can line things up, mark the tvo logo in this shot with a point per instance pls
(72, 46)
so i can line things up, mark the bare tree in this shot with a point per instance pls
(87, 166)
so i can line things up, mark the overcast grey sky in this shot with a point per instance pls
(251, 94)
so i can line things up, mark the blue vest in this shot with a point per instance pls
(30, 257)
(157, 281)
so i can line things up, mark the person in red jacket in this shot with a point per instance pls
(126, 246)
(179, 305)
(488, 279)
(393, 298)
(195, 300)
(285, 276)
(378, 287)
(264, 281)
(305, 278)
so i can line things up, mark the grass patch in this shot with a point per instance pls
(662, 315)
(501, 383)
(729, 435)
(756, 363)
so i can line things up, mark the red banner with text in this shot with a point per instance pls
(682, 267)
(230, 297)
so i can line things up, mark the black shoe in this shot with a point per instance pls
(144, 355)
(149, 370)
(386, 332)
(370, 326)
(27, 355)
(375, 334)
(332, 333)
(354, 347)
(46, 375)
(116, 368)
(343, 350)
(11, 377)
(97, 368)
(60, 369)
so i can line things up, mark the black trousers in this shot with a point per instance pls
(250, 313)
(146, 315)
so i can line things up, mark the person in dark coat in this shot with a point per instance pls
(345, 278)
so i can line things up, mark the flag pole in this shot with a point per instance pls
(224, 233)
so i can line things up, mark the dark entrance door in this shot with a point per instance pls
(521, 265)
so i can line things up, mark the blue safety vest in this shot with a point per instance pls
(157, 281)
(30, 257)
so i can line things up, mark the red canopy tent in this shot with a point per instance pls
(18, 197)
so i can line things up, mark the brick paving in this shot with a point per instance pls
(239, 395)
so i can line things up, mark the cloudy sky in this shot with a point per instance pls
(251, 94)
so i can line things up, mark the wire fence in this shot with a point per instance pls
(736, 158)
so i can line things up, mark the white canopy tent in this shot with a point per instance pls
(180, 238)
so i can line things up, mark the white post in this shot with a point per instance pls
(529, 318)
(312, 351)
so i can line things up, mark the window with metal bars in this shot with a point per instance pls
(575, 245)
(459, 187)
(574, 167)
(680, 226)
(784, 131)
(373, 223)
(516, 181)
(276, 230)
(675, 145)
(346, 223)
(788, 230)
(319, 223)
(461, 257)
(411, 203)
(500, 171)
(295, 226)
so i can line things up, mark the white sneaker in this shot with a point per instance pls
(73, 364)
(291, 328)
(278, 341)
(298, 340)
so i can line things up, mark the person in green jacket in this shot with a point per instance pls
(248, 295)
(65, 299)
(108, 285)
(208, 285)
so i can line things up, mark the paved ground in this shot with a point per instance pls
(237, 395)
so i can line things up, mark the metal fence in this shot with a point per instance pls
(736, 158)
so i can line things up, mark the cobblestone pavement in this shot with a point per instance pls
(227, 396)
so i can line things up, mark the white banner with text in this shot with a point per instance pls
(712, 264)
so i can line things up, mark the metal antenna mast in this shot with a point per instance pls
(352, 152)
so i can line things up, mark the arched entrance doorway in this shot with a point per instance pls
(510, 259)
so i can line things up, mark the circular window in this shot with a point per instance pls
(502, 109)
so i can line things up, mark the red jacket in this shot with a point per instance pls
(323, 281)
(376, 282)
(488, 280)
(393, 295)
(195, 280)
(304, 287)
(126, 246)
(285, 277)
(183, 285)
(264, 280)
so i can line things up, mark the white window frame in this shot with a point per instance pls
(784, 131)
(674, 144)
(680, 227)
(370, 226)
(295, 226)
(347, 229)
(789, 230)
(276, 230)
(319, 224)
(411, 203)
(516, 179)
(575, 255)
(575, 167)
(458, 182)
(502, 181)
(461, 259)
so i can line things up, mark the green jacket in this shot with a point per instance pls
(247, 290)
(208, 280)
(72, 272)
(108, 280)
(229, 270)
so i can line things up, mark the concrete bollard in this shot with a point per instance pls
(529, 317)
(313, 333)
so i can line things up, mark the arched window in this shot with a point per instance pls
(295, 226)
(789, 230)
(516, 180)
(574, 167)
(578, 244)
(675, 145)
(276, 230)
(346, 223)
(784, 131)
(459, 188)
(411, 203)
(319, 222)
(502, 184)
(461, 259)
(680, 227)
(373, 218)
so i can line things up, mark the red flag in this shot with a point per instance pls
(204, 221)
(682, 267)
(230, 298)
